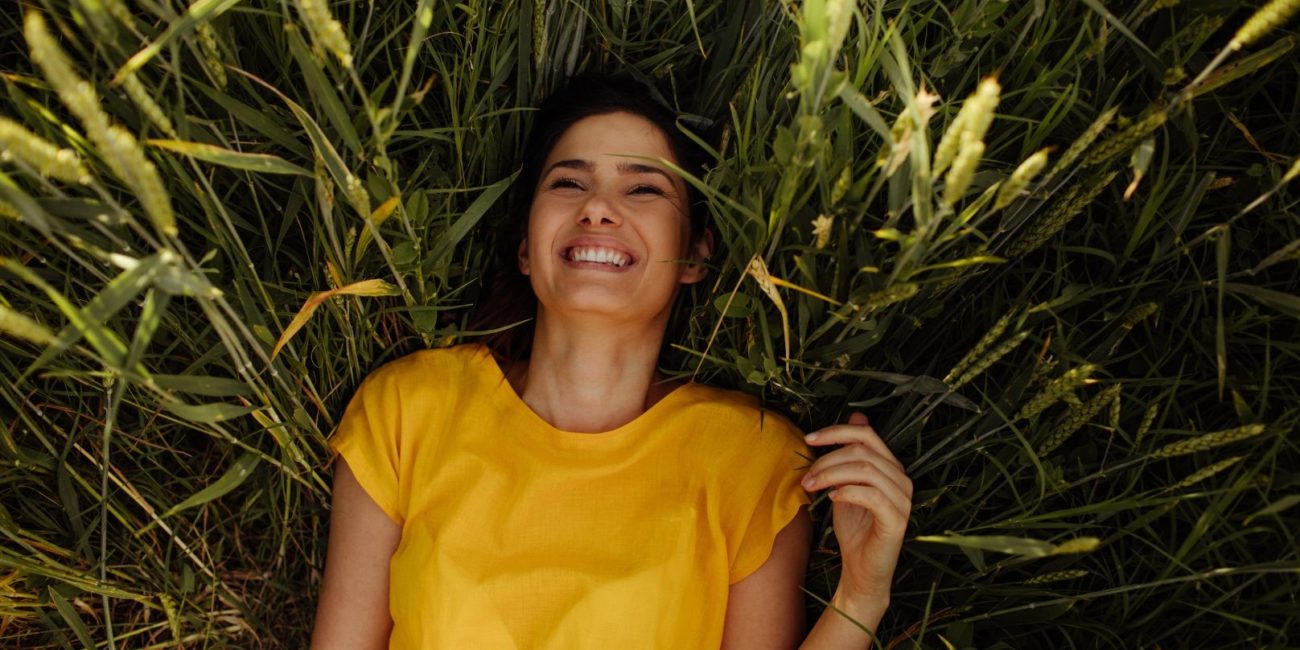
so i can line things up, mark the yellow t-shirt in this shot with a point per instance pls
(516, 534)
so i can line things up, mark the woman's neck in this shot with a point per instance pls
(590, 377)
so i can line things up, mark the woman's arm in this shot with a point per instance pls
(872, 498)
(353, 608)
(766, 609)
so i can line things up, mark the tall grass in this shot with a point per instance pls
(1075, 321)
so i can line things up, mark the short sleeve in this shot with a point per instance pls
(772, 492)
(367, 438)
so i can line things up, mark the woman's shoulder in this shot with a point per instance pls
(741, 408)
(434, 365)
(738, 439)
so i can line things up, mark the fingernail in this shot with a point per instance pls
(809, 480)
(810, 437)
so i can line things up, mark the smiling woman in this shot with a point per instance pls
(591, 206)
(548, 487)
(546, 174)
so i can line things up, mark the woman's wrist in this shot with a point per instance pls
(866, 609)
(840, 626)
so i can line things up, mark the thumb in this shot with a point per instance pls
(857, 417)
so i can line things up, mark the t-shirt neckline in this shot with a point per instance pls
(513, 401)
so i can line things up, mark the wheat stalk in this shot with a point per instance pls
(1116, 410)
(981, 346)
(757, 269)
(145, 102)
(129, 162)
(1056, 390)
(1137, 315)
(211, 53)
(1147, 419)
(75, 93)
(962, 170)
(1125, 140)
(885, 297)
(324, 184)
(983, 364)
(1077, 417)
(1076, 545)
(327, 31)
(1206, 472)
(973, 120)
(18, 143)
(1081, 144)
(1056, 576)
(1015, 185)
(120, 150)
(357, 195)
(845, 180)
(821, 230)
(1264, 20)
(20, 325)
(1208, 441)
(539, 33)
(1065, 209)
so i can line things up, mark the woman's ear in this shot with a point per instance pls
(700, 252)
(523, 255)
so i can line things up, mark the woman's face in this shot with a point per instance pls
(609, 233)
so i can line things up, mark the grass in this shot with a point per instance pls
(1055, 365)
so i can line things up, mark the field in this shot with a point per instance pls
(1048, 247)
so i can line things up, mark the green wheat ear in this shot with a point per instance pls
(1207, 472)
(1078, 416)
(972, 122)
(1207, 441)
(1015, 185)
(121, 152)
(327, 31)
(1264, 20)
(143, 100)
(18, 143)
(1057, 390)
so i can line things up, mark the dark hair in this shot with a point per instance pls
(506, 296)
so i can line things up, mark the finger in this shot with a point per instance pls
(862, 471)
(858, 418)
(851, 454)
(851, 433)
(892, 521)
(839, 455)
(866, 473)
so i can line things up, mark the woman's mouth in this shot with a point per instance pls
(596, 257)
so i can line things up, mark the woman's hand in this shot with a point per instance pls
(872, 501)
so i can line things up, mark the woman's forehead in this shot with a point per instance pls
(608, 138)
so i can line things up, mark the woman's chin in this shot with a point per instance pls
(593, 301)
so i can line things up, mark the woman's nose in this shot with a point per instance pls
(598, 212)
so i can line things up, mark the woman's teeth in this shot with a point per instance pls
(598, 255)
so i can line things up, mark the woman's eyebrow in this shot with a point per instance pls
(641, 168)
(622, 167)
(572, 163)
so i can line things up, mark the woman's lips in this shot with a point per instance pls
(589, 253)
(592, 245)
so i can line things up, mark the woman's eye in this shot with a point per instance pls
(561, 183)
(646, 189)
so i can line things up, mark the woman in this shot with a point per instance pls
(550, 489)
